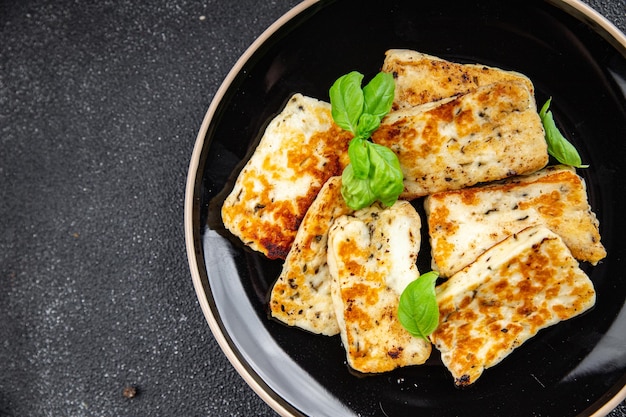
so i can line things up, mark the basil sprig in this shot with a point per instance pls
(374, 170)
(559, 147)
(418, 311)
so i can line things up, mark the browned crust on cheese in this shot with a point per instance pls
(271, 225)
(563, 208)
(373, 337)
(509, 306)
(489, 134)
(422, 78)
(301, 294)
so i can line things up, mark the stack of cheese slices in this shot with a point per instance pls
(507, 232)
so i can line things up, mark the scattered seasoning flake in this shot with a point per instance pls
(129, 392)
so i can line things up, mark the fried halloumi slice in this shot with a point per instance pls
(422, 78)
(527, 282)
(372, 257)
(491, 133)
(300, 149)
(301, 295)
(462, 224)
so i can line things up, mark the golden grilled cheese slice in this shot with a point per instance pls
(526, 283)
(422, 78)
(300, 149)
(301, 295)
(463, 224)
(372, 257)
(491, 133)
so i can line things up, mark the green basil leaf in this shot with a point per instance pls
(386, 177)
(356, 192)
(418, 311)
(346, 99)
(359, 157)
(378, 95)
(367, 124)
(374, 171)
(559, 147)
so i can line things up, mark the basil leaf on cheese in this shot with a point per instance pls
(358, 151)
(346, 99)
(374, 171)
(386, 180)
(355, 191)
(418, 311)
(379, 94)
(367, 124)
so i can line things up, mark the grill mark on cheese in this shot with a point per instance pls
(464, 223)
(300, 149)
(491, 133)
(526, 283)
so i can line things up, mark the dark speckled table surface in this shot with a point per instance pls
(100, 104)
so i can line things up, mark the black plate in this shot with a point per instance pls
(570, 53)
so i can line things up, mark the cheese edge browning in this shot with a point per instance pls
(422, 78)
(300, 149)
(526, 283)
(464, 223)
(364, 296)
(300, 296)
(491, 133)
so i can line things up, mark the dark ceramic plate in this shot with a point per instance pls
(570, 53)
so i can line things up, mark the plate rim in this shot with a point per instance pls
(591, 16)
(190, 200)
